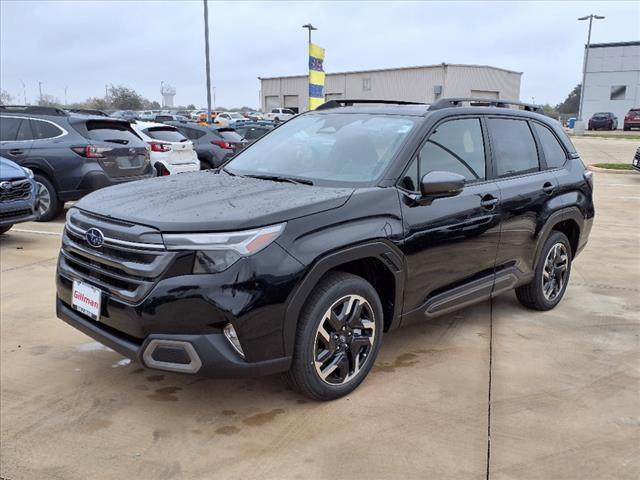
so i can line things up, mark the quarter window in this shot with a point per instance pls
(455, 146)
(42, 130)
(513, 147)
(554, 154)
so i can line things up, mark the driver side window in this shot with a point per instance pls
(455, 146)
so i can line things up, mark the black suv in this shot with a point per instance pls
(344, 223)
(71, 154)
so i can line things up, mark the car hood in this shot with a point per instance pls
(209, 201)
(10, 170)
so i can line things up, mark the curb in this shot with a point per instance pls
(608, 170)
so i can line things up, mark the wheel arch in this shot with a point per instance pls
(569, 221)
(378, 261)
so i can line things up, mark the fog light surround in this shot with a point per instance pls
(232, 337)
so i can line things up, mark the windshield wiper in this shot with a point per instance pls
(282, 178)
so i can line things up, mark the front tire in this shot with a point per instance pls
(338, 338)
(551, 275)
(49, 205)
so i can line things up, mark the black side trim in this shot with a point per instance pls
(384, 250)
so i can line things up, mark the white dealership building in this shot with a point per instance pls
(416, 84)
(612, 82)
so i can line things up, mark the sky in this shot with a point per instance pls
(85, 45)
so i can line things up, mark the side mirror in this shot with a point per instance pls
(441, 184)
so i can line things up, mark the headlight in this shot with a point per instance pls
(28, 171)
(216, 252)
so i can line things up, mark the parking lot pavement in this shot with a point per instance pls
(563, 387)
(605, 150)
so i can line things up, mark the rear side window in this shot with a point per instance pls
(191, 133)
(230, 135)
(115, 132)
(167, 134)
(9, 128)
(43, 130)
(513, 146)
(554, 154)
(455, 146)
(24, 132)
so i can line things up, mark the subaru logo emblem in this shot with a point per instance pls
(5, 185)
(94, 237)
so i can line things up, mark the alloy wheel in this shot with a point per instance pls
(44, 199)
(554, 272)
(344, 340)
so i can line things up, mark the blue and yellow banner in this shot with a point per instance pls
(316, 76)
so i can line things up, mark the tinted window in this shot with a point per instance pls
(191, 133)
(230, 135)
(9, 128)
(167, 134)
(163, 118)
(24, 132)
(409, 180)
(115, 132)
(256, 133)
(42, 130)
(513, 146)
(455, 146)
(554, 154)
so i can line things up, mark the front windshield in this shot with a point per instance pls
(353, 148)
(235, 115)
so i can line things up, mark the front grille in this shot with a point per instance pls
(124, 269)
(15, 214)
(15, 190)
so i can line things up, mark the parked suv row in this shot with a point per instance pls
(303, 251)
(71, 154)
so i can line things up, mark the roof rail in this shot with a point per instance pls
(482, 102)
(36, 110)
(349, 103)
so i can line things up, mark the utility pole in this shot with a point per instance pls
(309, 27)
(40, 88)
(206, 53)
(24, 91)
(586, 59)
(106, 92)
(65, 96)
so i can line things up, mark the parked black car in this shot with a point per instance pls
(604, 120)
(18, 195)
(71, 154)
(213, 145)
(635, 163)
(125, 115)
(338, 226)
(252, 132)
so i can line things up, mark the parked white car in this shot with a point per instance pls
(280, 114)
(229, 119)
(146, 115)
(171, 152)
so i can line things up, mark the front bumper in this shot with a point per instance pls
(18, 211)
(215, 356)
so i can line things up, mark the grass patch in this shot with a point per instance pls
(614, 166)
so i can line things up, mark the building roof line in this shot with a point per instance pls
(415, 67)
(615, 44)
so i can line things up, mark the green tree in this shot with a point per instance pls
(191, 106)
(123, 98)
(572, 103)
(5, 98)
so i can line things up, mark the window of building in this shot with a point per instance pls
(366, 84)
(618, 92)
(513, 145)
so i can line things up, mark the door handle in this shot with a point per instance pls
(548, 188)
(488, 202)
(16, 151)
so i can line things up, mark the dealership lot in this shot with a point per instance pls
(542, 395)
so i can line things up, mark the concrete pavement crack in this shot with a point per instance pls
(489, 393)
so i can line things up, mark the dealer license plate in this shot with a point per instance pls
(86, 299)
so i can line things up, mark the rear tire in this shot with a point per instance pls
(338, 337)
(49, 205)
(551, 275)
(5, 229)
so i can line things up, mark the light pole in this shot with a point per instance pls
(206, 53)
(24, 91)
(40, 88)
(309, 27)
(65, 96)
(586, 59)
